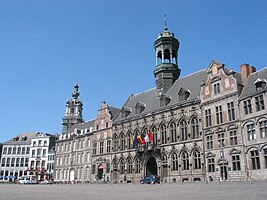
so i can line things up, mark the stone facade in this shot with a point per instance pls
(207, 126)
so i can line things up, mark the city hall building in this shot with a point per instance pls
(207, 126)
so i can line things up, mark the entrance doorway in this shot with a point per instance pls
(151, 167)
(100, 171)
(72, 175)
(223, 171)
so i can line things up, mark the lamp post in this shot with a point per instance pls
(221, 145)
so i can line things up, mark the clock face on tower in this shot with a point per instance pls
(159, 84)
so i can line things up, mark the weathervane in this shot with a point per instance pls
(165, 23)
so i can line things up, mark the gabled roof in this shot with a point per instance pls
(250, 88)
(21, 139)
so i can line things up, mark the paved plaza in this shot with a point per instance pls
(187, 191)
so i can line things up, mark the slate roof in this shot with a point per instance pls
(81, 126)
(19, 139)
(250, 88)
(113, 111)
(189, 83)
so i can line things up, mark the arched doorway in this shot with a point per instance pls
(151, 167)
(100, 171)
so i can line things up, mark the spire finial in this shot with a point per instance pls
(165, 23)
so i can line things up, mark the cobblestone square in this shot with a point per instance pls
(187, 191)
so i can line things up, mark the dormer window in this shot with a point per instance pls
(15, 138)
(164, 100)
(260, 84)
(139, 108)
(183, 94)
(126, 111)
(24, 138)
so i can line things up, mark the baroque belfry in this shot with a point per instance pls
(74, 108)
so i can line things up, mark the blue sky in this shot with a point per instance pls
(107, 45)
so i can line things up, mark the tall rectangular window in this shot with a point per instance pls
(211, 165)
(217, 89)
(209, 142)
(108, 146)
(94, 148)
(101, 147)
(208, 117)
(3, 162)
(251, 132)
(247, 106)
(231, 111)
(12, 162)
(221, 139)
(255, 159)
(265, 158)
(263, 129)
(219, 115)
(233, 137)
(259, 103)
(236, 162)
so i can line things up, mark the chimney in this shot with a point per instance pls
(245, 71)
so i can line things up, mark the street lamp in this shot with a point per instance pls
(221, 144)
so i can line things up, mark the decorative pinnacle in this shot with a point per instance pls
(165, 23)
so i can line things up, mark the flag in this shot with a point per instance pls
(135, 142)
(150, 136)
(131, 139)
(146, 138)
(139, 138)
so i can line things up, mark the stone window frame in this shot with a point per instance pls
(174, 162)
(247, 105)
(259, 102)
(231, 111)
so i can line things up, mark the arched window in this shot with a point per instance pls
(184, 133)
(154, 133)
(167, 56)
(163, 133)
(129, 140)
(164, 159)
(23, 150)
(195, 128)
(14, 150)
(122, 166)
(115, 164)
(159, 58)
(173, 132)
(115, 143)
(9, 150)
(137, 165)
(174, 165)
(122, 141)
(197, 160)
(19, 150)
(129, 166)
(5, 150)
(185, 161)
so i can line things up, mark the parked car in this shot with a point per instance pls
(150, 179)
